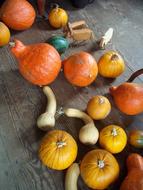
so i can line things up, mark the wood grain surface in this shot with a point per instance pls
(21, 102)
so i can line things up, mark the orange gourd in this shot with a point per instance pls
(129, 96)
(111, 65)
(58, 150)
(38, 63)
(4, 34)
(80, 69)
(17, 14)
(134, 179)
(99, 169)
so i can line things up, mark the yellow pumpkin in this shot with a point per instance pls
(4, 34)
(58, 17)
(111, 65)
(99, 169)
(58, 150)
(113, 138)
(98, 107)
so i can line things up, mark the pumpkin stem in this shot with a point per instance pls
(54, 6)
(12, 44)
(114, 57)
(114, 132)
(135, 74)
(101, 164)
(60, 144)
(101, 100)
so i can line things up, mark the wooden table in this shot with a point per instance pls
(21, 102)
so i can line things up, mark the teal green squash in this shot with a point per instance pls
(60, 43)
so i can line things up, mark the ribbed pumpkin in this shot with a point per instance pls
(60, 43)
(113, 138)
(58, 150)
(17, 14)
(38, 63)
(4, 34)
(136, 138)
(111, 65)
(80, 69)
(99, 169)
(58, 17)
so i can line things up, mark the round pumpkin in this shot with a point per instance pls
(113, 138)
(98, 107)
(136, 138)
(39, 63)
(111, 65)
(58, 17)
(60, 43)
(4, 34)
(58, 150)
(80, 69)
(17, 14)
(99, 169)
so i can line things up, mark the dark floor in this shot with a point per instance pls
(21, 103)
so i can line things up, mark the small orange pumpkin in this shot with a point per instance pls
(58, 150)
(111, 65)
(17, 14)
(98, 107)
(38, 63)
(4, 34)
(80, 69)
(99, 169)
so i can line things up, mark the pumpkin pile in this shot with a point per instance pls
(40, 64)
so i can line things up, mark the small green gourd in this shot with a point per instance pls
(60, 43)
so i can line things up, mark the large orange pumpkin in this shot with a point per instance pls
(38, 63)
(99, 169)
(80, 69)
(58, 150)
(17, 14)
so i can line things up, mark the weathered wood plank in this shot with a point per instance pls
(21, 102)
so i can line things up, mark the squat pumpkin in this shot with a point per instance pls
(113, 138)
(80, 69)
(17, 14)
(58, 150)
(99, 169)
(111, 65)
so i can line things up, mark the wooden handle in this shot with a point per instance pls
(135, 74)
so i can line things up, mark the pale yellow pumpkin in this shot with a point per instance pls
(58, 17)
(98, 107)
(111, 65)
(113, 138)
(58, 150)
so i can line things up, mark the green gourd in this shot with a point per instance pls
(60, 43)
